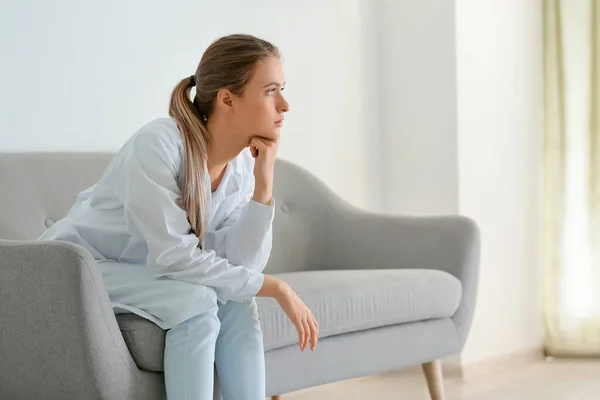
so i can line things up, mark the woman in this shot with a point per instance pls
(180, 222)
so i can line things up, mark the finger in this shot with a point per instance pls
(311, 336)
(270, 142)
(255, 142)
(257, 147)
(315, 333)
(314, 330)
(301, 333)
(267, 142)
(307, 336)
(300, 328)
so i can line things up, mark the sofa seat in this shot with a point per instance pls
(342, 302)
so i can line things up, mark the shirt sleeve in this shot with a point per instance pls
(246, 235)
(151, 196)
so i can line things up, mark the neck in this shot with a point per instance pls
(223, 148)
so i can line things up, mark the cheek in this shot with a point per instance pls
(262, 111)
(246, 114)
(257, 115)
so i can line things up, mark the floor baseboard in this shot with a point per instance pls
(495, 364)
(453, 368)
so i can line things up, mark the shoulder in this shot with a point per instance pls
(161, 131)
(159, 139)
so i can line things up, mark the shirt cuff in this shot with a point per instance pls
(255, 283)
(249, 291)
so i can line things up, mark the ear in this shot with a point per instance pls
(225, 99)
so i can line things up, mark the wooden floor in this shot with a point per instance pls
(553, 380)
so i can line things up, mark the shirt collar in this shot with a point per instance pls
(232, 179)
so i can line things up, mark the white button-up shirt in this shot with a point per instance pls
(133, 225)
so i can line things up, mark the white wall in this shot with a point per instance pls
(461, 102)
(499, 74)
(418, 106)
(80, 76)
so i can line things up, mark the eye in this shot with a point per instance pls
(270, 92)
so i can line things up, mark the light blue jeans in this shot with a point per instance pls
(229, 337)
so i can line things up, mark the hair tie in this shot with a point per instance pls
(192, 80)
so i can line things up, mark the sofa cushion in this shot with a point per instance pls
(342, 302)
(349, 301)
(145, 341)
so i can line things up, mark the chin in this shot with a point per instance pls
(273, 134)
(270, 135)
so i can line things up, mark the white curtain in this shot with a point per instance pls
(571, 232)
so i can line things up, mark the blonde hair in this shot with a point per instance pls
(227, 63)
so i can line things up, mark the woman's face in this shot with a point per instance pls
(260, 109)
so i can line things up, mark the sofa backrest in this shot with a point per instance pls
(37, 189)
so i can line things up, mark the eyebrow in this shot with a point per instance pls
(276, 84)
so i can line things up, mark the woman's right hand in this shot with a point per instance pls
(295, 309)
(264, 151)
(301, 317)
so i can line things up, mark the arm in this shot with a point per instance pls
(245, 237)
(150, 195)
(361, 240)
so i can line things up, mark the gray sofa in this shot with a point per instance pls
(389, 292)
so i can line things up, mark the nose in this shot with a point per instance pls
(284, 106)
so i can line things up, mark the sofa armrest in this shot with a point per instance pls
(59, 337)
(361, 240)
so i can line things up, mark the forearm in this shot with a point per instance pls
(263, 193)
(248, 241)
(273, 287)
(184, 261)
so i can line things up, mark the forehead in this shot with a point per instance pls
(267, 71)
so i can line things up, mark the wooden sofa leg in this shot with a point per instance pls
(435, 379)
(276, 397)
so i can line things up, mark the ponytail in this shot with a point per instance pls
(195, 140)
